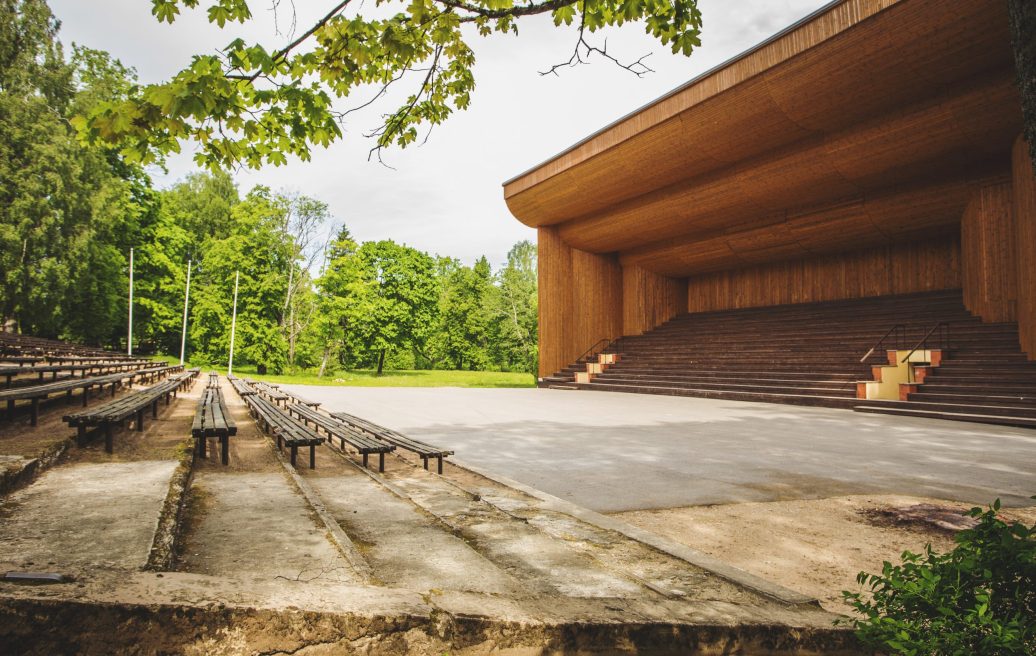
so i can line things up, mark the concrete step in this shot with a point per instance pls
(980, 418)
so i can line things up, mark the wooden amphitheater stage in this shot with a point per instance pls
(859, 176)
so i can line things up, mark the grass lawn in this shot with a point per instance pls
(365, 378)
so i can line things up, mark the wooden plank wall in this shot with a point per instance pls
(1024, 192)
(989, 273)
(649, 299)
(901, 269)
(580, 300)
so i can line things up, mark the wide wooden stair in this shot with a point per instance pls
(810, 354)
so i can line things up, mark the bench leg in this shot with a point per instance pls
(294, 454)
(167, 398)
(113, 390)
(224, 442)
(425, 458)
(10, 409)
(81, 435)
(381, 462)
(68, 397)
(107, 437)
(312, 456)
(203, 444)
(35, 412)
(86, 394)
(440, 465)
(154, 409)
(365, 461)
(341, 441)
(140, 420)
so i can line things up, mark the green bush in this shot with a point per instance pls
(979, 598)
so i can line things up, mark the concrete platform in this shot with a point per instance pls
(617, 452)
(345, 560)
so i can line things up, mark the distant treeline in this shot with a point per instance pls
(70, 214)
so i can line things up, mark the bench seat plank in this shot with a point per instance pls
(422, 449)
(362, 443)
(287, 431)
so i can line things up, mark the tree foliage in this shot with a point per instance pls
(979, 598)
(69, 215)
(255, 104)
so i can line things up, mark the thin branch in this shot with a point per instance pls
(513, 12)
(280, 54)
(637, 67)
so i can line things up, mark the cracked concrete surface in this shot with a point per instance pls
(460, 563)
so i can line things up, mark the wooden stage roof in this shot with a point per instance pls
(865, 124)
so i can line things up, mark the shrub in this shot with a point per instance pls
(979, 598)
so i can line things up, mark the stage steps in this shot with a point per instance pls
(809, 354)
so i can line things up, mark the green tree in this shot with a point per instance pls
(516, 310)
(390, 301)
(465, 316)
(330, 330)
(255, 104)
(67, 214)
(256, 248)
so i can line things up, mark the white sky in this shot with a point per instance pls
(444, 197)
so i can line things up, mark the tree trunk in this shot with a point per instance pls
(381, 362)
(292, 335)
(323, 361)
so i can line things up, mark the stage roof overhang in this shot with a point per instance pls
(866, 123)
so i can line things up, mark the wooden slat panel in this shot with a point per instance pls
(649, 300)
(939, 140)
(904, 215)
(924, 266)
(580, 300)
(1024, 208)
(821, 78)
(990, 275)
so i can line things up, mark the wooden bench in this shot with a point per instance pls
(422, 449)
(132, 405)
(344, 433)
(284, 428)
(242, 388)
(211, 419)
(84, 369)
(213, 379)
(36, 393)
(269, 391)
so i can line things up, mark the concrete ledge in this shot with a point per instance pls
(167, 532)
(364, 621)
(16, 477)
(665, 545)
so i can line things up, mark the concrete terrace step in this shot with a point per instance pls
(798, 388)
(759, 397)
(976, 406)
(980, 418)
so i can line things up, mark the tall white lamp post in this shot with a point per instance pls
(186, 297)
(233, 325)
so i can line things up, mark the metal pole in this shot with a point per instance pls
(129, 332)
(233, 325)
(186, 297)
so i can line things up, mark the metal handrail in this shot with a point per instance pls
(608, 343)
(899, 335)
(943, 339)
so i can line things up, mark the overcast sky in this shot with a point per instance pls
(444, 197)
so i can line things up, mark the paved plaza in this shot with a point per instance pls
(615, 452)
